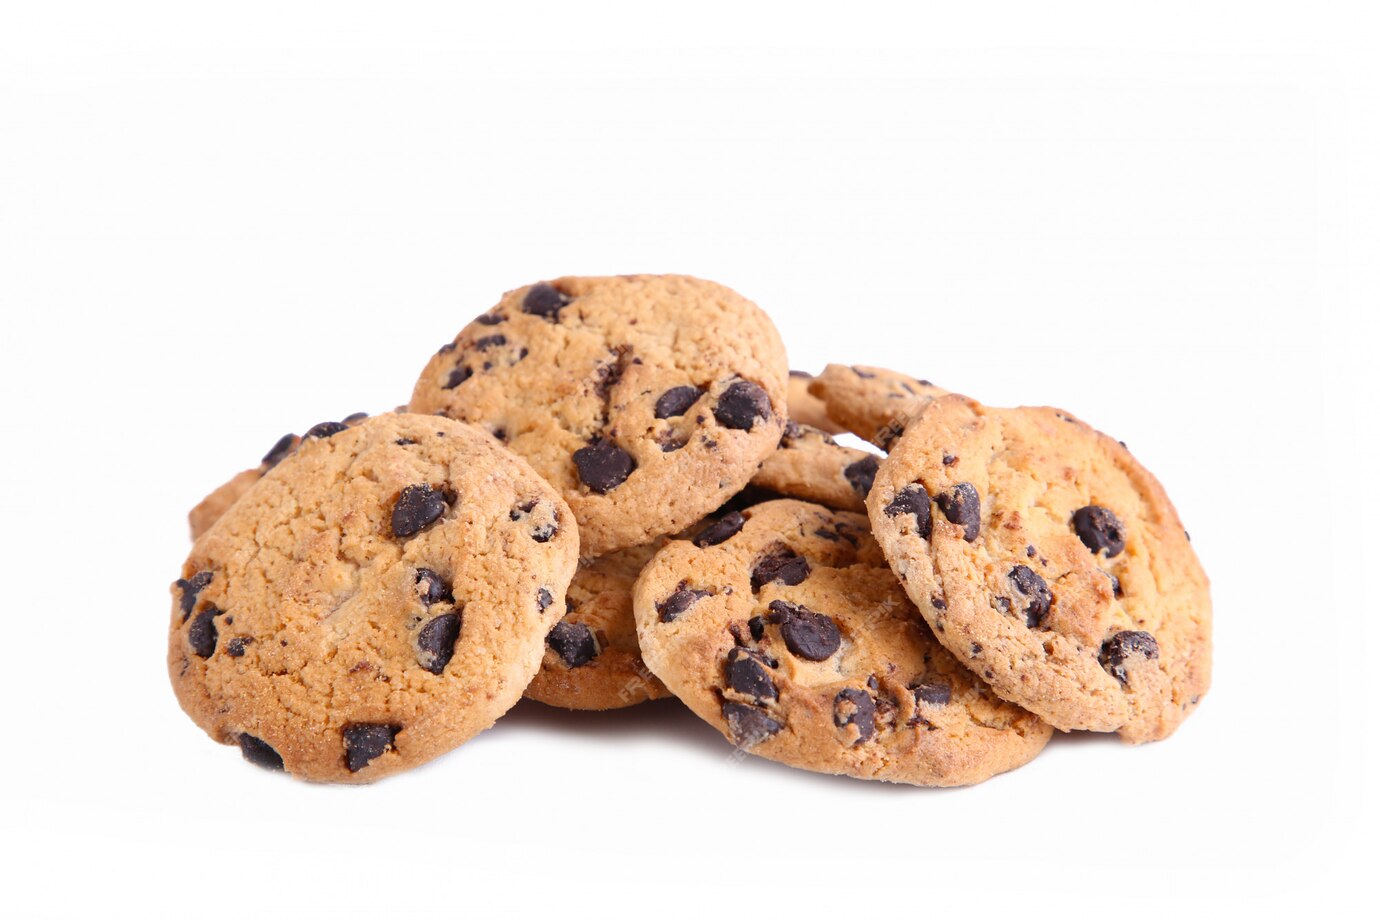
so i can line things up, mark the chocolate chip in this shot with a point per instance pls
(446, 348)
(678, 601)
(757, 626)
(365, 741)
(458, 375)
(202, 634)
(354, 418)
(543, 599)
(1116, 585)
(809, 635)
(746, 671)
(403, 442)
(962, 507)
(861, 474)
(856, 708)
(544, 533)
(280, 449)
(741, 405)
(865, 375)
(236, 646)
(1124, 645)
(915, 501)
(720, 530)
(432, 588)
(803, 374)
(436, 642)
(417, 507)
(603, 465)
(782, 565)
(490, 341)
(950, 459)
(675, 401)
(1099, 529)
(544, 300)
(325, 430)
(259, 753)
(1029, 583)
(748, 725)
(190, 588)
(573, 642)
(933, 692)
(489, 319)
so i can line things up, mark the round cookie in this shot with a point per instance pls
(374, 600)
(806, 408)
(810, 464)
(872, 402)
(592, 659)
(210, 508)
(783, 628)
(1051, 563)
(646, 400)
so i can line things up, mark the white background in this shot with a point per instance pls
(222, 222)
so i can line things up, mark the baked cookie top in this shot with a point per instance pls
(646, 400)
(1050, 562)
(374, 600)
(592, 659)
(811, 465)
(210, 508)
(872, 402)
(805, 407)
(782, 627)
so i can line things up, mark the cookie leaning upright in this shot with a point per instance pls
(646, 400)
(1050, 562)
(782, 627)
(375, 599)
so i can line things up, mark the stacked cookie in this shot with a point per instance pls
(610, 490)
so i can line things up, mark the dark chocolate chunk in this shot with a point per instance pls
(436, 641)
(490, 341)
(748, 725)
(489, 319)
(259, 753)
(1124, 645)
(720, 530)
(280, 449)
(950, 459)
(325, 430)
(1099, 530)
(741, 405)
(746, 671)
(678, 601)
(544, 300)
(856, 708)
(1116, 585)
(432, 588)
(417, 507)
(962, 507)
(1028, 582)
(354, 417)
(544, 533)
(603, 465)
(676, 401)
(543, 599)
(783, 565)
(861, 474)
(915, 501)
(757, 626)
(933, 692)
(458, 375)
(236, 646)
(202, 634)
(365, 741)
(809, 635)
(573, 642)
(190, 588)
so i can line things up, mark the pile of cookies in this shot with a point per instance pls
(610, 490)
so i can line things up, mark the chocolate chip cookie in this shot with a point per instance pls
(872, 402)
(210, 508)
(805, 407)
(645, 400)
(1050, 562)
(782, 627)
(375, 599)
(592, 659)
(810, 464)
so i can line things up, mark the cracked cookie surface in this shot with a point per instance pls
(783, 627)
(1051, 563)
(646, 400)
(375, 599)
(873, 403)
